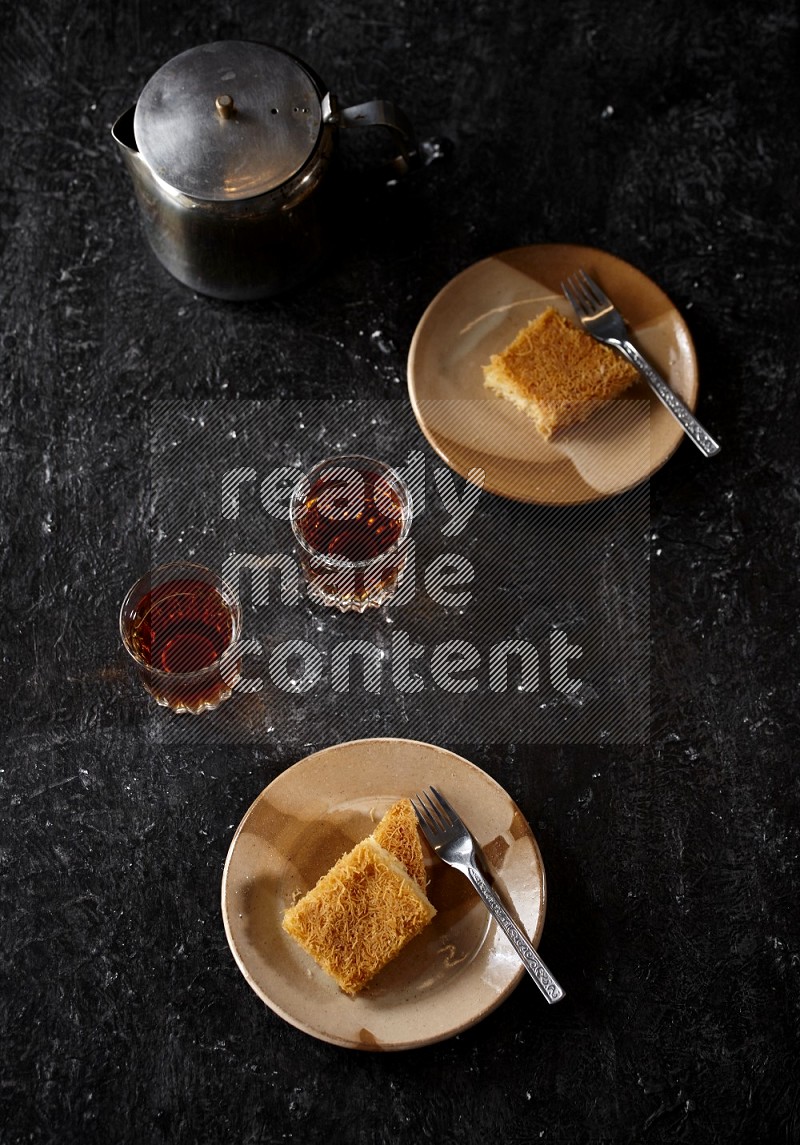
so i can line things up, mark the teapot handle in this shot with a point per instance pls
(378, 113)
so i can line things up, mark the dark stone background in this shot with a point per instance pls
(663, 132)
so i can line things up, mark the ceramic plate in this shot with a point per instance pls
(479, 313)
(450, 976)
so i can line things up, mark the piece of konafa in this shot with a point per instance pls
(556, 373)
(398, 833)
(359, 916)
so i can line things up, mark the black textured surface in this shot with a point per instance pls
(663, 132)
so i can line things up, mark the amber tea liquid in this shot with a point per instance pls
(358, 522)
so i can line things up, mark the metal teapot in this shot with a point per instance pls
(231, 148)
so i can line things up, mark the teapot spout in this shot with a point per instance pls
(122, 131)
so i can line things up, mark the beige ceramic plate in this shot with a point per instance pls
(447, 978)
(478, 314)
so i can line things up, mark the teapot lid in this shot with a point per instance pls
(228, 120)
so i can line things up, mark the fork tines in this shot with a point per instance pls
(439, 814)
(583, 293)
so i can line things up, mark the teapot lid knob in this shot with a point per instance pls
(225, 106)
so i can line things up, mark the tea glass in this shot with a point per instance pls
(181, 624)
(351, 516)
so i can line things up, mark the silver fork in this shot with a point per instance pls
(600, 318)
(453, 843)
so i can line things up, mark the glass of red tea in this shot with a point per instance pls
(181, 624)
(351, 516)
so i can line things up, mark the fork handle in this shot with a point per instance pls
(531, 960)
(689, 423)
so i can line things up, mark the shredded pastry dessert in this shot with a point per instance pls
(399, 834)
(361, 914)
(556, 373)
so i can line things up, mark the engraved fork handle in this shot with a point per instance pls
(691, 426)
(531, 960)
